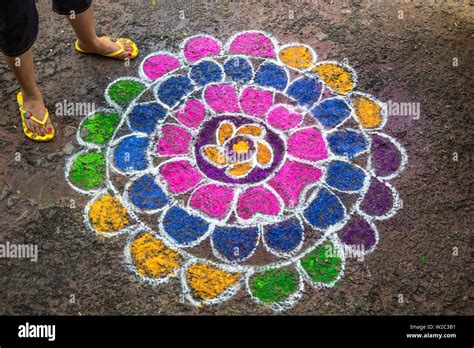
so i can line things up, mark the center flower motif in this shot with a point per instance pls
(239, 150)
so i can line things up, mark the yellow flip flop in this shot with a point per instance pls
(27, 115)
(116, 53)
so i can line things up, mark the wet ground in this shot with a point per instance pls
(419, 52)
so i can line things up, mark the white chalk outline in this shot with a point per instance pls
(290, 259)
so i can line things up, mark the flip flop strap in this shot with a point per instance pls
(111, 55)
(116, 53)
(33, 118)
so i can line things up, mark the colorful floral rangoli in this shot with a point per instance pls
(246, 165)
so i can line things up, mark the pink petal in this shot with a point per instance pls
(180, 175)
(173, 141)
(256, 102)
(222, 98)
(191, 114)
(156, 66)
(281, 118)
(292, 178)
(307, 144)
(253, 44)
(257, 200)
(200, 47)
(213, 200)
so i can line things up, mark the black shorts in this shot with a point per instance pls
(19, 22)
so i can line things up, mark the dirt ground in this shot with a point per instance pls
(403, 51)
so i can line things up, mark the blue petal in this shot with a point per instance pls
(144, 117)
(238, 69)
(234, 243)
(306, 91)
(183, 227)
(206, 72)
(271, 75)
(325, 210)
(146, 194)
(331, 112)
(130, 154)
(347, 143)
(284, 236)
(174, 90)
(344, 176)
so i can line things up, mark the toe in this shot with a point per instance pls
(48, 127)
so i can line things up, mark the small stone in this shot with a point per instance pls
(84, 133)
(69, 149)
(11, 201)
(321, 36)
(6, 192)
(69, 131)
(54, 155)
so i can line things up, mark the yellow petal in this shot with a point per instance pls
(225, 131)
(107, 214)
(214, 155)
(264, 155)
(338, 78)
(251, 129)
(298, 57)
(152, 258)
(368, 111)
(208, 282)
(241, 147)
(239, 169)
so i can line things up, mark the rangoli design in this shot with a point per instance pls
(241, 166)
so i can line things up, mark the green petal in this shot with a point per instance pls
(88, 170)
(124, 91)
(100, 127)
(323, 264)
(274, 285)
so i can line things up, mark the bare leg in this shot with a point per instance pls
(84, 27)
(24, 72)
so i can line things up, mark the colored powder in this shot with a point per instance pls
(274, 285)
(107, 214)
(208, 282)
(240, 169)
(322, 266)
(264, 155)
(336, 77)
(124, 91)
(88, 170)
(298, 57)
(100, 127)
(257, 200)
(368, 112)
(152, 258)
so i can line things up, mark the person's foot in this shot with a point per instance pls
(104, 46)
(35, 106)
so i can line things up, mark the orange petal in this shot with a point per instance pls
(225, 131)
(152, 258)
(338, 77)
(214, 155)
(264, 155)
(369, 112)
(239, 169)
(209, 282)
(298, 57)
(251, 129)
